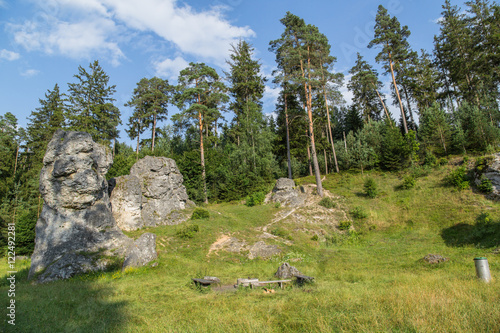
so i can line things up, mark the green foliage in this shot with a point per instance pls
(430, 159)
(409, 182)
(345, 225)
(485, 185)
(315, 238)
(200, 213)
(255, 199)
(358, 212)
(188, 231)
(370, 188)
(327, 203)
(350, 238)
(458, 178)
(91, 106)
(25, 232)
(280, 232)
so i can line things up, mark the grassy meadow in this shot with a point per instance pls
(372, 279)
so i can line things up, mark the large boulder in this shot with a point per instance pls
(76, 231)
(151, 195)
(492, 171)
(287, 194)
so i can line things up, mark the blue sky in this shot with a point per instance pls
(44, 41)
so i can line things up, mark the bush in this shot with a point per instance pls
(485, 186)
(458, 178)
(327, 203)
(345, 225)
(408, 182)
(199, 214)
(188, 231)
(358, 213)
(430, 159)
(315, 238)
(370, 188)
(255, 199)
(280, 232)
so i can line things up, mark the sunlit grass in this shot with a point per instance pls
(376, 283)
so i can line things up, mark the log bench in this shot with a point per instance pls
(263, 283)
(203, 282)
(301, 279)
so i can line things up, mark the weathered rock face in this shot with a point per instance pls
(150, 196)
(286, 271)
(285, 193)
(143, 251)
(492, 172)
(76, 231)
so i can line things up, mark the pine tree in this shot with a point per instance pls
(365, 87)
(393, 39)
(201, 90)
(435, 129)
(150, 101)
(301, 50)
(91, 106)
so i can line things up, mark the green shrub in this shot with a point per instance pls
(458, 178)
(370, 188)
(315, 238)
(255, 199)
(430, 159)
(442, 161)
(485, 186)
(358, 212)
(188, 231)
(327, 203)
(280, 232)
(277, 204)
(345, 225)
(408, 182)
(199, 214)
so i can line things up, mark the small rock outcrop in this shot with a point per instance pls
(286, 271)
(263, 250)
(142, 252)
(286, 194)
(151, 195)
(76, 231)
(434, 259)
(492, 171)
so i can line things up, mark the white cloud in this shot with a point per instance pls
(170, 68)
(76, 40)
(438, 20)
(8, 55)
(82, 28)
(30, 72)
(270, 97)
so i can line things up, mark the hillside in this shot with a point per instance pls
(368, 278)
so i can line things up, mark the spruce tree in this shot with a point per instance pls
(91, 106)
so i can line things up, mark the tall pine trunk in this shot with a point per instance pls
(397, 94)
(288, 141)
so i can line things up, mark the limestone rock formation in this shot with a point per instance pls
(263, 250)
(143, 251)
(286, 271)
(285, 193)
(151, 195)
(492, 172)
(76, 231)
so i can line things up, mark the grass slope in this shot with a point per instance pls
(371, 280)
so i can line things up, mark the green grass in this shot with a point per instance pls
(377, 283)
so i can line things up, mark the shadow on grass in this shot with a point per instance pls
(484, 233)
(75, 305)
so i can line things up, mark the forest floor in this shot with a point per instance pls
(368, 278)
